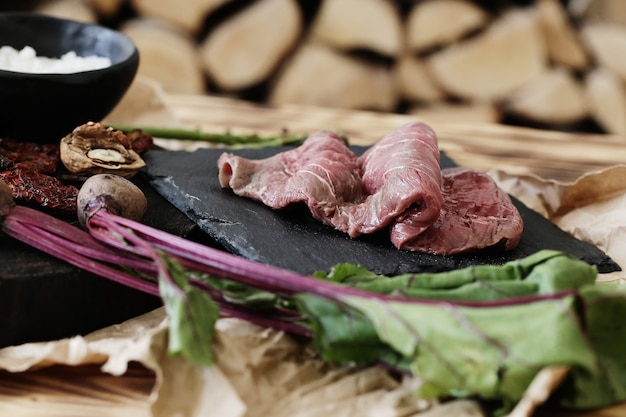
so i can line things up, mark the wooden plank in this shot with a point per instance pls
(76, 391)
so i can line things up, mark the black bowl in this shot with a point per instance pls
(45, 107)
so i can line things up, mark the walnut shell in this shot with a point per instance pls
(94, 149)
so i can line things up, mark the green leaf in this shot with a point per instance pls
(348, 273)
(545, 272)
(343, 334)
(558, 271)
(192, 315)
(470, 348)
(242, 295)
(477, 291)
(603, 308)
(490, 352)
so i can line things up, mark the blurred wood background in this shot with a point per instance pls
(552, 64)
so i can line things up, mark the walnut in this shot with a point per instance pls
(95, 149)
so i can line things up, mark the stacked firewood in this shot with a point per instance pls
(557, 64)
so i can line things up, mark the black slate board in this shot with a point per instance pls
(43, 298)
(293, 240)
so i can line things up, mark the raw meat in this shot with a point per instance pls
(399, 171)
(322, 173)
(396, 183)
(476, 214)
(354, 195)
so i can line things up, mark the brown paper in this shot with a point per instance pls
(259, 372)
(593, 208)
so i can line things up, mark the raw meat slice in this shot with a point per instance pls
(476, 214)
(355, 196)
(397, 182)
(400, 171)
(322, 173)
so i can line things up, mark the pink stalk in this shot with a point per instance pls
(214, 261)
(66, 242)
(221, 264)
(78, 248)
(77, 240)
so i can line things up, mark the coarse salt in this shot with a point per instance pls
(27, 61)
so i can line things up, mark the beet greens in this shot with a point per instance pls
(483, 331)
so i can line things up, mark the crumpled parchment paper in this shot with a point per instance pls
(258, 372)
(592, 208)
(262, 372)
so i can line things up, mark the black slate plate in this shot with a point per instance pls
(292, 239)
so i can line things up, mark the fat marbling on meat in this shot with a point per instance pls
(397, 183)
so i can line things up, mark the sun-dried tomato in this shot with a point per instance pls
(43, 158)
(140, 141)
(46, 191)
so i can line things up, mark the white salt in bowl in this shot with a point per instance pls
(47, 95)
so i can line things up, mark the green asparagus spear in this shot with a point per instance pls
(226, 138)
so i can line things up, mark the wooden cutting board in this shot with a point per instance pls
(292, 239)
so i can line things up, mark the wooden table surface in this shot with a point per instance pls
(548, 154)
(85, 391)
